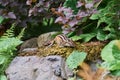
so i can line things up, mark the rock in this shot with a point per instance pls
(43, 38)
(28, 52)
(36, 42)
(31, 43)
(29, 49)
(38, 68)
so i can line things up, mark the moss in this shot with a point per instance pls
(92, 48)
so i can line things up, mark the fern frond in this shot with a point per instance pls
(21, 33)
(10, 32)
(8, 44)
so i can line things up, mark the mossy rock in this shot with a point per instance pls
(92, 49)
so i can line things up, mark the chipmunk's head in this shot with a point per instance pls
(70, 43)
(62, 41)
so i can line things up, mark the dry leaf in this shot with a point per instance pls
(87, 74)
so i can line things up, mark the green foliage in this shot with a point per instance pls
(101, 35)
(116, 72)
(84, 37)
(75, 59)
(3, 77)
(108, 20)
(8, 44)
(111, 55)
(10, 32)
(21, 34)
(71, 79)
(48, 22)
(19, 10)
(29, 14)
(109, 14)
(1, 19)
(74, 78)
(104, 23)
(74, 13)
(72, 4)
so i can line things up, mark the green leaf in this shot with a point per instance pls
(51, 21)
(84, 37)
(114, 65)
(2, 59)
(76, 38)
(71, 78)
(107, 52)
(21, 34)
(100, 21)
(1, 19)
(116, 72)
(111, 36)
(75, 59)
(72, 4)
(10, 32)
(98, 3)
(108, 13)
(3, 77)
(9, 44)
(111, 55)
(71, 34)
(45, 22)
(94, 17)
(101, 35)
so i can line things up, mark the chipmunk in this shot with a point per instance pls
(62, 41)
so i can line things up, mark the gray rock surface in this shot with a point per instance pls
(31, 43)
(36, 68)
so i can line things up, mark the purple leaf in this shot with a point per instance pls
(89, 5)
(67, 30)
(28, 2)
(33, 11)
(79, 4)
(69, 15)
(82, 14)
(93, 11)
(62, 20)
(73, 22)
(47, 4)
(11, 15)
(4, 2)
(40, 10)
(60, 9)
(68, 12)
